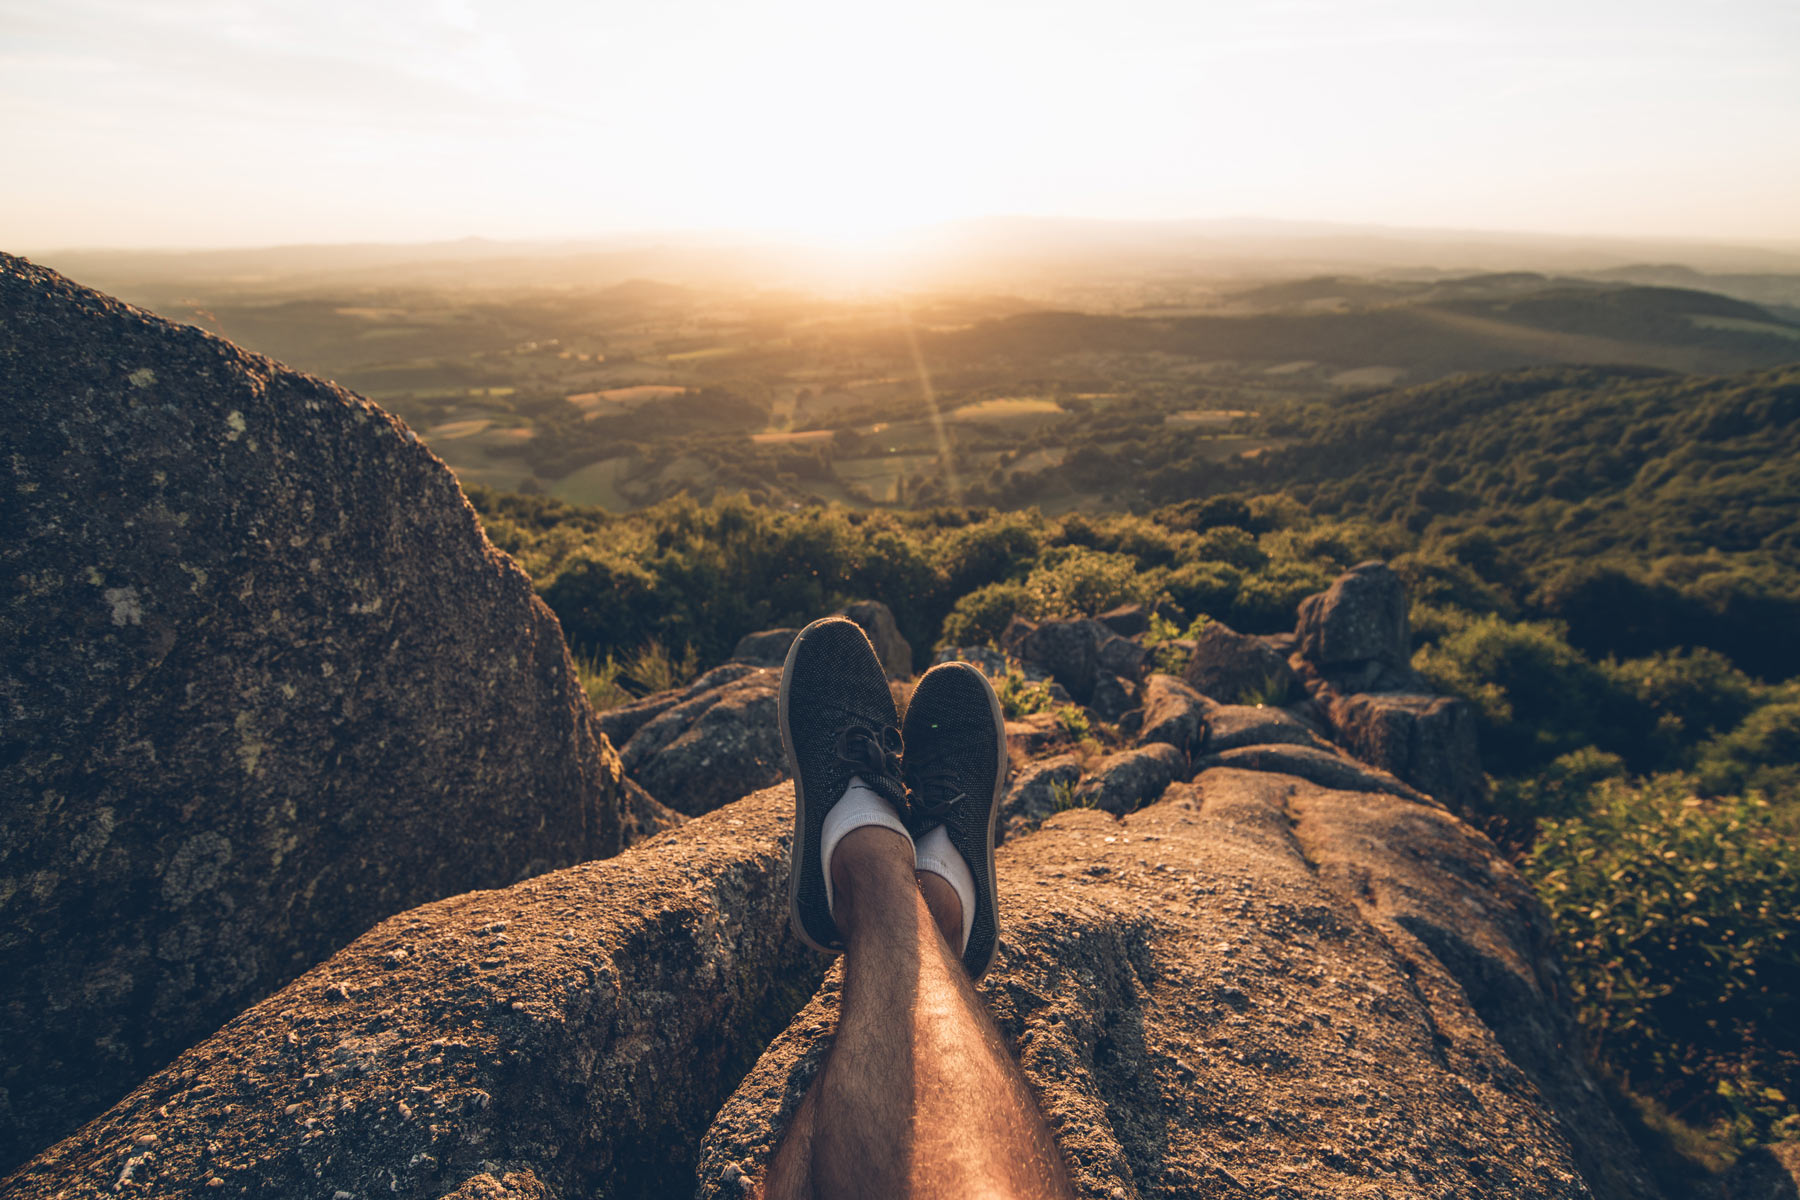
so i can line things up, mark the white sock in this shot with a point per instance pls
(934, 853)
(861, 805)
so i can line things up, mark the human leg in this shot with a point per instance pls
(919, 1095)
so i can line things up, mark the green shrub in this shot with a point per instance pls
(1763, 754)
(1203, 587)
(1019, 696)
(1686, 696)
(1159, 639)
(1679, 927)
(977, 618)
(1074, 721)
(1560, 790)
(1078, 582)
(600, 680)
(650, 668)
(1535, 696)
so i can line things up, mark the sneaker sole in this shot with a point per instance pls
(993, 814)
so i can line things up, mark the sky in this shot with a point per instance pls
(184, 123)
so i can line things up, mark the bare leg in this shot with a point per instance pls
(918, 1095)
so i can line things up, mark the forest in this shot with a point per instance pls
(1603, 561)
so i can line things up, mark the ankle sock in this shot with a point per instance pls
(934, 853)
(860, 805)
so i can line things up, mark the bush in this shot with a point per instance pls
(1686, 696)
(978, 618)
(1678, 918)
(1019, 696)
(1078, 582)
(1535, 697)
(1763, 753)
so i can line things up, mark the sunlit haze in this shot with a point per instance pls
(220, 122)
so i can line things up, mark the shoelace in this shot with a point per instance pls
(874, 754)
(939, 793)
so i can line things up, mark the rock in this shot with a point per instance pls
(1129, 779)
(1034, 793)
(1113, 697)
(1127, 620)
(1262, 987)
(877, 620)
(644, 817)
(1074, 652)
(1429, 741)
(265, 683)
(1762, 1173)
(1173, 713)
(712, 747)
(619, 724)
(1034, 735)
(1234, 725)
(1360, 618)
(1229, 667)
(572, 1035)
(766, 649)
(1327, 768)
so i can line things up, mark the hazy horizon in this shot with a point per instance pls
(199, 123)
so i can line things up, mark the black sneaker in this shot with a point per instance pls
(956, 770)
(837, 720)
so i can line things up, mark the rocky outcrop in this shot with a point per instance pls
(265, 683)
(1129, 779)
(712, 745)
(1259, 986)
(1127, 620)
(1033, 735)
(620, 724)
(1329, 767)
(1230, 726)
(1427, 740)
(1353, 658)
(1174, 713)
(1076, 653)
(1228, 666)
(877, 620)
(1113, 696)
(1037, 790)
(569, 1036)
(765, 649)
(1360, 620)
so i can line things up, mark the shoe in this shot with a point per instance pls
(837, 721)
(955, 737)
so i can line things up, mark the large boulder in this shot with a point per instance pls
(1264, 987)
(1230, 667)
(265, 683)
(1075, 652)
(573, 1034)
(713, 746)
(1360, 618)
(1429, 741)
(767, 648)
(877, 620)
